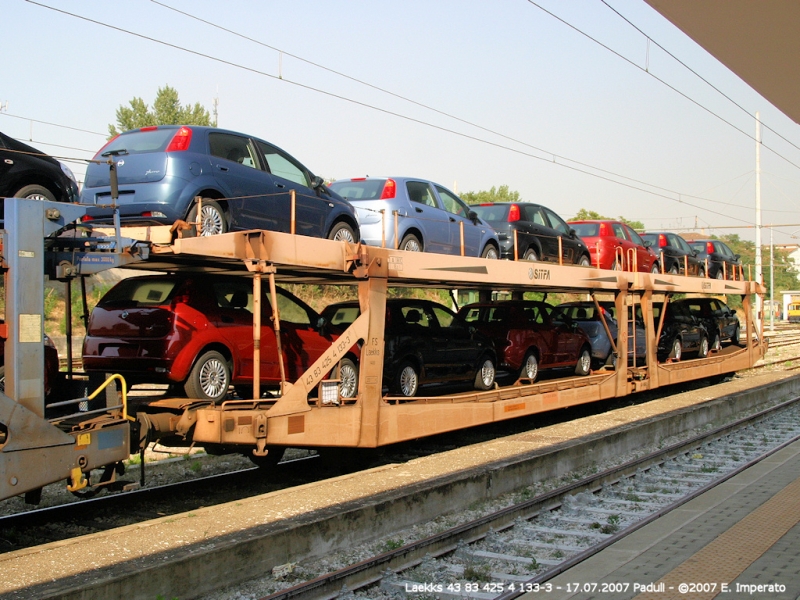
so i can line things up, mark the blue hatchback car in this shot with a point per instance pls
(244, 183)
(430, 217)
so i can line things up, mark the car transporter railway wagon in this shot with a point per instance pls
(36, 450)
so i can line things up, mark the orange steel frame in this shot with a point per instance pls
(373, 419)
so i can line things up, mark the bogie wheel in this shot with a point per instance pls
(677, 349)
(342, 232)
(212, 219)
(34, 192)
(530, 254)
(406, 381)
(584, 261)
(584, 365)
(703, 351)
(347, 373)
(484, 378)
(530, 367)
(209, 378)
(411, 243)
(273, 457)
(490, 252)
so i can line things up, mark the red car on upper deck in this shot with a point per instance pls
(615, 245)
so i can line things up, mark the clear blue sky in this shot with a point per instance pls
(522, 84)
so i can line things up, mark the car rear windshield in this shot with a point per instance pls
(585, 229)
(137, 291)
(369, 189)
(153, 140)
(344, 315)
(699, 247)
(492, 212)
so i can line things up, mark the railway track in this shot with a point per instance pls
(518, 548)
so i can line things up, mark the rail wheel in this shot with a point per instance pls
(273, 457)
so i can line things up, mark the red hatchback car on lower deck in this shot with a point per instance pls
(614, 245)
(195, 331)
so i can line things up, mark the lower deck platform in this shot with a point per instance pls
(740, 539)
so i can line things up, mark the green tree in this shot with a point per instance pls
(501, 194)
(584, 214)
(167, 110)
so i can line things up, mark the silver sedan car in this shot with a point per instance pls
(416, 215)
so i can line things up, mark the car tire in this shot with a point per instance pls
(406, 380)
(655, 270)
(719, 275)
(209, 378)
(273, 457)
(676, 350)
(342, 232)
(702, 352)
(716, 344)
(530, 254)
(347, 372)
(490, 252)
(584, 365)
(213, 220)
(34, 192)
(701, 272)
(616, 266)
(485, 376)
(530, 367)
(673, 270)
(736, 336)
(411, 243)
(584, 261)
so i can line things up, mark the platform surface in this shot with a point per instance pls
(741, 539)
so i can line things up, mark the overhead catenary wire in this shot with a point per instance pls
(550, 158)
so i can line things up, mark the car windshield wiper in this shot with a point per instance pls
(119, 152)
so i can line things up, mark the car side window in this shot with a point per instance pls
(633, 236)
(282, 165)
(290, 311)
(534, 315)
(452, 204)
(420, 192)
(232, 147)
(472, 315)
(534, 215)
(446, 319)
(415, 315)
(683, 244)
(619, 231)
(233, 295)
(557, 222)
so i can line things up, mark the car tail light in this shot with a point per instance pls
(181, 140)
(99, 152)
(149, 128)
(358, 179)
(662, 240)
(709, 247)
(389, 190)
(513, 213)
(605, 230)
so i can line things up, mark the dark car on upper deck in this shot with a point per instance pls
(244, 183)
(537, 232)
(675, 253)
(26, 172)
(722, 262)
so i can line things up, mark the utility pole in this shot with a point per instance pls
(771, 281)
(759, 275)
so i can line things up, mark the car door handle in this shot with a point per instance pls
(221, 168)
(419, 210)
(280, 185)
(452, 220)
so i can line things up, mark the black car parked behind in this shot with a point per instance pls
(425, 342)
(26, 172)
(675, 253)
(682, 332)
(722, 262)
(538, 231)
(719, 319)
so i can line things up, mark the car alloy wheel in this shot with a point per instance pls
(584, 366)
(530, 254)
(348, 376)
(408, 380)
(209, 378)
(342, 232)
(677, 349)
(411, 243)
(530, 367)
(490, 252)
(484, 378)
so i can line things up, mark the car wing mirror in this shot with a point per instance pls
(322, 322)
(573, 234)
(737, 256)
(647, 243)
(473, 216)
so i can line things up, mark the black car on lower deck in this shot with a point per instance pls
(26, 172)
(676, 256)
(722, 262)
(682, 332)
(720, 320)
(425, 342)
(538, 230)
